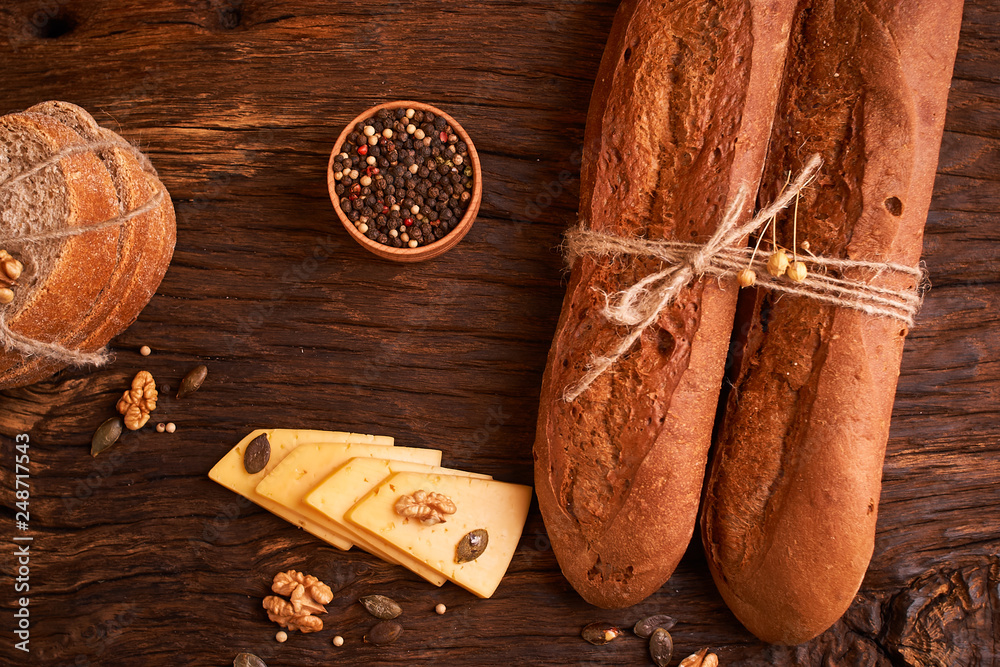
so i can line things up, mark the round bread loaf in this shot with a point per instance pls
(67, 187)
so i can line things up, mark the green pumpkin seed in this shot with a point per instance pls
(106, 435)
(381, 607)
(600, 633)
(385, 632)
(248, 660)
(648, 625)
(661, 647)
(192, 381)
(472, 545)
(257, 454)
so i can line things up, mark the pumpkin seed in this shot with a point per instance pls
(257, 454)
(248, 660)
(385, 632)
(472, 545)
(648, 625)
(106, 435)
(661, 647)
(381, 607)
(192, 381)
(600, 633)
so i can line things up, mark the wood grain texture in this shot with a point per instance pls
(138, 558)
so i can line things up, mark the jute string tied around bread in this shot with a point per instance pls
(40, 247)
(725, 254)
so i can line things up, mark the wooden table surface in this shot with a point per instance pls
(139, 559)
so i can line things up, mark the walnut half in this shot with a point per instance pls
(307, 595)
(427, 507)
(283, 613)
(136, 403)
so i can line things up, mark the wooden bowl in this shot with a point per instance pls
(431, 250)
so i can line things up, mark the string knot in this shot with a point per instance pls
(725, 254)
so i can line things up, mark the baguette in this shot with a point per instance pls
(791, 500)
(678, 123)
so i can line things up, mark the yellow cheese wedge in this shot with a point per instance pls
(336, 494)
(497, 507)
(289, 481)
(230, 473)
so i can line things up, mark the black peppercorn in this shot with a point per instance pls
(435, 188)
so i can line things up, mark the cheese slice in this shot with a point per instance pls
(230, 473)
(302, 469)
(336, 494)
(497, 507)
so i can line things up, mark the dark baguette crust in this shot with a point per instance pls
(678, 121)
(791, 502)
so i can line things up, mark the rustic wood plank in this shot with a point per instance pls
(139, 558)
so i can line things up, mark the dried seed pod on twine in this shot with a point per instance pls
(724, 254)
(39, 244)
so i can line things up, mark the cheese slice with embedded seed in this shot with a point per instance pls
(336, 494)
(302, 469)
(230, 473)
(498, 507)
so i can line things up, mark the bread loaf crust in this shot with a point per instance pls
(78, 271)
(678, 122)
(124, 264)
(791, 500)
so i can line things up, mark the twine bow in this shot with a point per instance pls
(640, 305)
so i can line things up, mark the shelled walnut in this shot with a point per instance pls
(307, 595)
(283, 613)
(700, 659)
(136, 403)
(427, 507)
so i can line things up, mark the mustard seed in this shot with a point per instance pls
(145, 351)
(338, 641)
(440, 609)
(170, 427)
(161, 427)
(281, 637)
